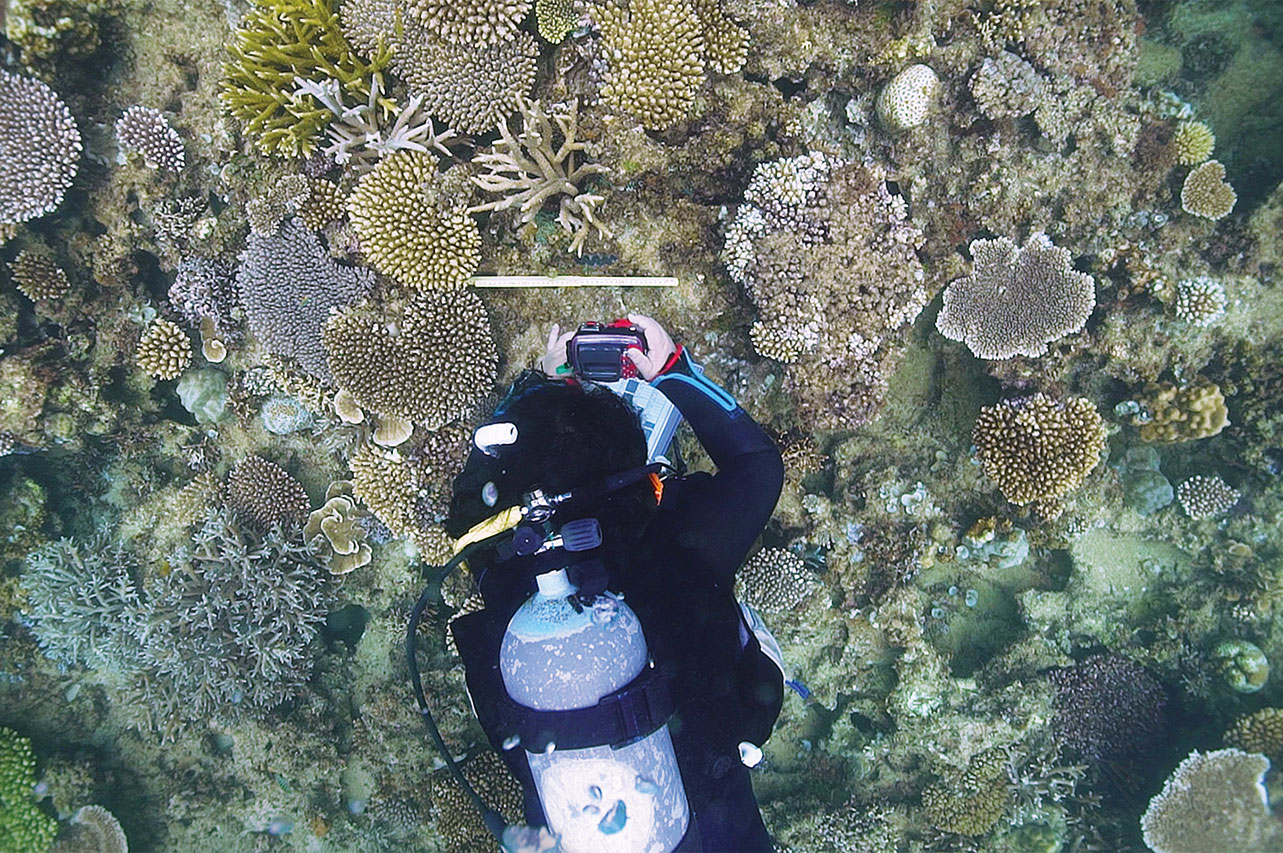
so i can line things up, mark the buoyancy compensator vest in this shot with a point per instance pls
(591, 714)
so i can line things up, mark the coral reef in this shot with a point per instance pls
(1016, 301)
(656, 50)
(146, 131)
(1212, 801)
(39, 149)
(411, 226)
(1206, 193)
(1038, 448)
(23, 826)
(164, 350)
(263, 494)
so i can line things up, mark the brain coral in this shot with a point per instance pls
(472, 89)
(410, 226)
(471, 23)
(1036, 448)
(1206, 193)
(655, 52)
(287, 284)
(431, 359)
(1016, 301)
(145, 130)
(263, 494)
(164, 351)
(39, 149)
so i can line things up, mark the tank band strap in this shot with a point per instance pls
(627, 715)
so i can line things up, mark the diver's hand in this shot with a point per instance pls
(661, 347)
(527, 839)
(556, 355)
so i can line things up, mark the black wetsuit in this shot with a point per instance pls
(681, 586)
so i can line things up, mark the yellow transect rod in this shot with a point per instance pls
(574, 281)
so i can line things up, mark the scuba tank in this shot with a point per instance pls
(587, 714)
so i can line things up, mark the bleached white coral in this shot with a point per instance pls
(908, 99)
(1200, 301)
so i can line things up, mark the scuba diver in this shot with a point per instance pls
(566, 688)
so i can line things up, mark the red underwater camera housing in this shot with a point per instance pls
(596, 352)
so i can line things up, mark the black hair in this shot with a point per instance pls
(568, 436)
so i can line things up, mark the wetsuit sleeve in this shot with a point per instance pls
(720, 517)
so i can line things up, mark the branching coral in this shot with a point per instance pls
(279, 41)
(1108, 709)
(775, 580)
(24, 828)
(532, 168)
(430, 360)
(263, 494)
(471, 23)
(39, 149)
(1016, 301)
(38, 276)
(1206, 497)
(1206, 193)
(146, 131)
(164, 351)
(1036, 448)
(975, 801)
(1171, 413)
(410, 225)
(655, 50)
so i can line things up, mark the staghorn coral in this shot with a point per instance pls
(38, 276)
(278, 42)
(39, 149)
(469, 88)
(164, 351)
(1200, 301)
(1260, 731)
(1192, 143)
(1037, 448)
(81, 597)
(145, 131)
(336, 527)
(725, 42)
(1206, 193)
(470, 23)
(655, 51)
(1170, 413)
(410, 225)
(1006, 86)
(288, 285)
(1205, 497)
(362, 135)
(431, 359)
(907, 101)
(775, 580)
(974, 802)
(263, 494)
(533, 168)
(205, 290)
(1212, 801)
(1016, 301)
(827, 254)
(555, 19)
(24, 828)
(1107, 709)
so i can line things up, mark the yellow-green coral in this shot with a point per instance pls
(1192, 143)
(725, 42)
(410, 226)
(1036, 448)
(656, 58)
(974, 803)
(280, 40)
(1183, 414)
(24, 828)
(164, 351)
(555, 19)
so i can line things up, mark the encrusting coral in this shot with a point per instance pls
(288, 284)
(1037, 448)
(1016, 301)
(410, 225)
(146, 131)
(39, 149)
(164, 351)
(431, 360)
(532, 168)
(656, 59)
(279, 41)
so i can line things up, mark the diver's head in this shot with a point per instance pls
(567, 436)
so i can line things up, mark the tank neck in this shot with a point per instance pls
(555, 584)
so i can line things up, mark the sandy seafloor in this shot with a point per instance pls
(1008, 653)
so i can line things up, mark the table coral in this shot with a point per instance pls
(1037, 448)
(279, 41)
(555, 19)
(531, 168)
(411, 225)
(39, 149)
(1016, 301)
(1212, 801)
(431, 360)
(471, 89)
(725, 42)
(1173, 413)
(655, 51)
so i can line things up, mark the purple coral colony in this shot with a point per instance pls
(1002, 276)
